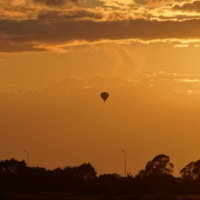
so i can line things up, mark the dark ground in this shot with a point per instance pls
(67, 196)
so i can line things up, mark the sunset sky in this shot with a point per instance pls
(57, 56)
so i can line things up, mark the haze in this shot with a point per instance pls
(57, 56)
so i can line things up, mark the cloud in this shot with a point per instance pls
(110, 10)
(159, 82)
(166, 83)
(156, 3)
(71, 86)
(159, 2)
(125, 62)
(29, 27)
(188, 7)
(71, 14)
(9, 47)
(17, 10)
(181, 46)
(56, 3)
(64, 31)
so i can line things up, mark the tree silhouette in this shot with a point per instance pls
(12, 166)
(157, 174)
(157, 177)
(158, 166)
(191, 171)
(85, 172)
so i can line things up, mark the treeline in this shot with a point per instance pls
(157, 177)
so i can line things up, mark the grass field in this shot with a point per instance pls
(67, 196)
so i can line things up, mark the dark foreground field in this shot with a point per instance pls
(155, 182)
(67, 196)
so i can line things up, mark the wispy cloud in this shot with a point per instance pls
(187, 7)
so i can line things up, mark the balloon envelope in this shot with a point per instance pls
(104, 95)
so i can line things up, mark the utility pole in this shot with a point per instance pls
(27, 162)
(124, 161)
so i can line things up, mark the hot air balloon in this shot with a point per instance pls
(104, 96)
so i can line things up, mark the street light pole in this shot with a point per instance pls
(124, 161)
(27, 162)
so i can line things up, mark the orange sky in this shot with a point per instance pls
(57, 56)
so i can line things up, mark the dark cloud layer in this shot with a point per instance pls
(70, 14)
(62, 30)
(56, 2)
